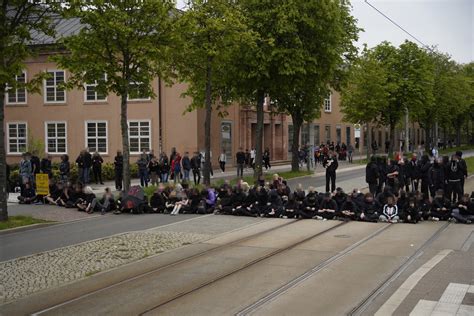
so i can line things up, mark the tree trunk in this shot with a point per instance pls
(3, 162)
(297, 122)
(392, 139)
(369, 141)
(125, 142)
(207, 125)
(259, 134)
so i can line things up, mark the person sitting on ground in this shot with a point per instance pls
(384, 195)
(369, 212)
(300, 195)
(182, 199)
(410, 211)
(276, 205)
(348, 210)
(105, 204)
(327, 208)
(76, 195)
(310, 206)
(390, 211)
(64, 197)
(463, 211)
(28, 195)
(54, 193)
(158, 200)
(194, 197)
(340, 197)
(85, 203)
(292, 208)
(224, 200)
(440, 207)
(247, 208)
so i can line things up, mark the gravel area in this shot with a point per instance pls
(27, 275)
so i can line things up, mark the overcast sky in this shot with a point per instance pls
(449, 24)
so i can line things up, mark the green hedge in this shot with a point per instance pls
(108, 172)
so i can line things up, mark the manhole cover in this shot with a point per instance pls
(342, 236)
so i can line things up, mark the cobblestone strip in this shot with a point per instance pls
(23, 276)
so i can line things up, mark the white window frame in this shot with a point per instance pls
(46, 138)
(86, 85)
(7, 93)
(9, 138)
(45, 96)
(149, 136)
(86, 136)
(137, 99)
(328, 104)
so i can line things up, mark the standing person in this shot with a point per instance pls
(25, 170)
(372, 175)
(414, 172)
(176, 167)
(164, 167)
(387, 146)
(118, 166)
(436, 177)
(64, 169)
(97, 162)
(87, 165)
(186, 164)
(80, 166)
(330, 163)
(253, 153)
(350, 150)
(172, 156)
(154, 168)
(454, 177)
(424, 167)
(222, 160)
(36, 165)
(240, 159)
(46, 166)
(247, 158)
(142, 163)
(266, 159)
(374, 147)
(463, 165)
(196, 167)
(392, 174)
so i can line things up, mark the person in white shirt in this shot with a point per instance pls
(222, 160)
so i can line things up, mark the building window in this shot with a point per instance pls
(96, 136)
(348, 135)
(18, 95)
(56, 137)
(139, 133)
(226, 139)
(327, 133)
(137, 92)
(53, 92)
(327, 104)
(17, 139)
(317, 140)
(91, 94)
(305, 134)
(338, 134)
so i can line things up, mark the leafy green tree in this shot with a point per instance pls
(299, 47)
(129, 41)
(315, 40)
(367, 93)
(209, 30)
(19, 19)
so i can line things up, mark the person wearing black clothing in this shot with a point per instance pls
(46, 166)
(463, 165)
(266, 159)
(414, 172)
(196, 167)
(372, 175)
(370, 209)
(436, 177)
(348, 209)
(441, 207)
(186, 163)
(28, 195)
(463, 211)
(340, 197)
(35, 164)
(327, 208)
(310, 206)
(240, 159)
(97, 162)
(118, 166)
(87, 166)
(291, 207)
(392, 175)
(410, 211)
(64, 169)
(382, 164)
(164, 167)
(454, 177)
(424, 167)
(158, 201)
(331, 164)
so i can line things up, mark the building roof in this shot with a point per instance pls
(63, 28)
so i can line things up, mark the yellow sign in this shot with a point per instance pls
(42, 184)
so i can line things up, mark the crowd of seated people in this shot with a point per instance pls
(266, 199)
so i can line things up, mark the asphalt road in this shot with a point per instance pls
(32, 241)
